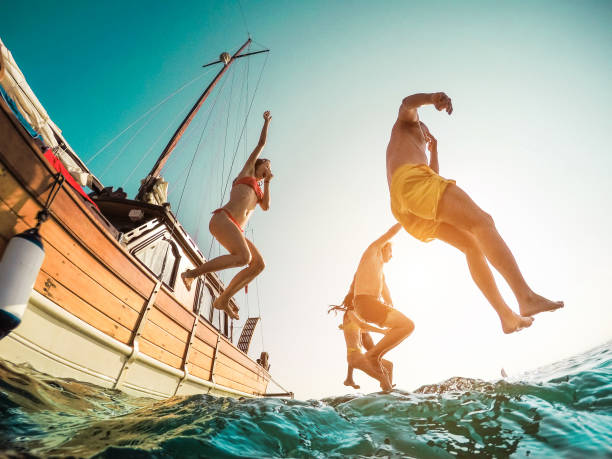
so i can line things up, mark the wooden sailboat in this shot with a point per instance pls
(108, 306)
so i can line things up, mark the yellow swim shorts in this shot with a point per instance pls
(416, 191)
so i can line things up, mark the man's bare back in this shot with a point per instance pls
(369, 275)
(369, 278)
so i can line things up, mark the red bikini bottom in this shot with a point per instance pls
(230, 216)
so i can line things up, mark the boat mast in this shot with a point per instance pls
(149, 181)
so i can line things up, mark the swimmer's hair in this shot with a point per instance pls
(259, 161)
(336, 308)
(347, 302)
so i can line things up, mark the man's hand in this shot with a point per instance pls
(432, 143)
(267, 116)
(442, 102)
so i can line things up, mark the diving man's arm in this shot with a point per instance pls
(378, 243)
(408, 109)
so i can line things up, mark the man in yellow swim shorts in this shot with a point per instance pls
(431, 207)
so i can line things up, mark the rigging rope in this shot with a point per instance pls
(122, 149)
(197, 148)
(148, 152)
(146, 113)
(258, 302)
(244, 19)
(244, 125)
(277, 383)
(238, 145)
(229, 109)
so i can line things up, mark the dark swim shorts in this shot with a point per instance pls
(371, 310)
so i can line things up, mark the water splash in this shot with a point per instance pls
(562, 409)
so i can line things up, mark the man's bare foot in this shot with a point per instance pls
(187, 280)
(388, 368)
(224, 305)
(375, 365)
(385, 385)
(350, 382)
(535, 304)
(513, 323)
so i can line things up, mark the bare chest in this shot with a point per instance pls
(406, 146)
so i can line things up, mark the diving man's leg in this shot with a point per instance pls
(482, 275)
(457, 209)
(400, 327)
(371, 368)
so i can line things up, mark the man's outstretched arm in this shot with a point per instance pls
(387, 236)
(408, 109)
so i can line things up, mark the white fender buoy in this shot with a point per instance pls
(19, 268)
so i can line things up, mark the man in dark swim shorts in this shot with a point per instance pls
(369, 286)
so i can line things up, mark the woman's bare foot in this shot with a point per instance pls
(187, 280)
(513, 322)
(534, 304)
(350, 382)
(224, 305)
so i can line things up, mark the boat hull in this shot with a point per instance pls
(55, 342)
(96, 313)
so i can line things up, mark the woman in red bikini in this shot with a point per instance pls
(227, 224)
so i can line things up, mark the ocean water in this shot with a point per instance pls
(561, 410)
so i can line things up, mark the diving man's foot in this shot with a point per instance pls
(224, 305)
(513, 323)
(535, 304)
(387, 367)
(350, 382)
(374, 363)
(187, 280)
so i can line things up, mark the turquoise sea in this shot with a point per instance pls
(561, 410)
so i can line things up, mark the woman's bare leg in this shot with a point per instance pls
(457, 209)
(349, 378)
(482, 275)
(241, 279)
(230, 237)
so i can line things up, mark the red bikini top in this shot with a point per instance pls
(252, 182)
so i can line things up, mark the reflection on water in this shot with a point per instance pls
(563, 409)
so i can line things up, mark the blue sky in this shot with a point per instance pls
(529, 141)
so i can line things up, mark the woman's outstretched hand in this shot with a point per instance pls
(267, 116)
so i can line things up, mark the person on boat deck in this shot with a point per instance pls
(431, 207)
(227, 223)
(356, 336)
(368, 286)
